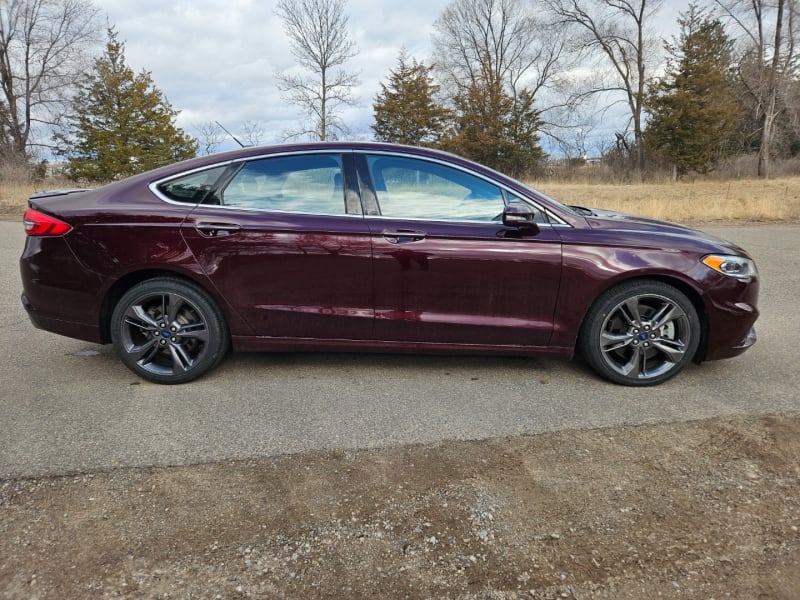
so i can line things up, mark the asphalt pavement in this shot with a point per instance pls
(68, 406)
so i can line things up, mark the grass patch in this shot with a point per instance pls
(15, 194)
(734, 200)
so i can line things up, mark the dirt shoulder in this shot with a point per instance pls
(705, 509)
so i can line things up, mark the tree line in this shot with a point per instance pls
(516, 71)
(502, 76)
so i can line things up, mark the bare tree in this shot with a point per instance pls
(489, 41)
(209, 136)
(496, 60)
(252, 133)
(42, 51)
(213, 133)
(317, 32)
(615, 31)
(769, 29)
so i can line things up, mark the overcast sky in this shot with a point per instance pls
(215, 60)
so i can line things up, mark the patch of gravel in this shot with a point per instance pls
(708, 509)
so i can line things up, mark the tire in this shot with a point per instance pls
(190, 341)
(640, 333)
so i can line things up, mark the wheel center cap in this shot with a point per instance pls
(643, 336)
(166, 334)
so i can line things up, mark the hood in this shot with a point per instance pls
(610, 221)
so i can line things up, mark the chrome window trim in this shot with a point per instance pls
(275, 212)
(153, 186)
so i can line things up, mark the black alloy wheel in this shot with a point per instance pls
(640, 333)
(168, 331)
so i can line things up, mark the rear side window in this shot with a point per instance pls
(191, 188)
(309, 183)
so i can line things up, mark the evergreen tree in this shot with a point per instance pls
(406, 111)
(121, 123)
(497, 129)
(693, 108)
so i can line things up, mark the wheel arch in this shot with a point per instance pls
(680, 284)
(127, 281)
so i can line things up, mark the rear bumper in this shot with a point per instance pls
(72, 329)
(58, 293)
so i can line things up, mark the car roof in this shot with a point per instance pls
(258, 151)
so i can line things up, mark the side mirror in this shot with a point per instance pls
(519, 214)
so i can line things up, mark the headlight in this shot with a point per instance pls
(737, 267)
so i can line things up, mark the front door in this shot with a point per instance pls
(446, 269)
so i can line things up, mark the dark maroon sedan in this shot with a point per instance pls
(363, 246)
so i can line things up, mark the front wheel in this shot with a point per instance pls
(640, 333)
(168, 331)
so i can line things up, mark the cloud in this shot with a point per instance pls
(216, 60)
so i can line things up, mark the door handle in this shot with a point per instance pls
(403, 236)
(216, 229)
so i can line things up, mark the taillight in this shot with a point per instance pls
(37, 223)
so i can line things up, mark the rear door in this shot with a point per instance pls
(446, 269)
(285, 242)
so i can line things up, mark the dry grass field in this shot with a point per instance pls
(14, 194)
(732, 200)
(700, 201)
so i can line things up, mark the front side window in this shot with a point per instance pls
(299, 184)
(419, 189)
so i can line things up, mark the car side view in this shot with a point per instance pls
(367, 246)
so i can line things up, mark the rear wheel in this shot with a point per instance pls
(640, 333)
(168, 331)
